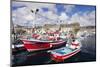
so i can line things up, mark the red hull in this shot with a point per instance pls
(35, 46)
(62, 58)
(58, 44)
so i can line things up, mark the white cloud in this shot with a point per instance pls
(69, 8)
(23, 15)
(63, 16)
(32, 5)
(85, 19)
(51, 15)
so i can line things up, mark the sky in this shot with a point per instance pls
(24, 13)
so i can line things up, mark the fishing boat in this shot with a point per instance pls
(36, 45)
(38, 42)
(59, 55)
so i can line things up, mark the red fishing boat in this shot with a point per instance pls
(36, 45)
(59, 55)
(42, 42)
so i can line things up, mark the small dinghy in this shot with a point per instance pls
(59, 55)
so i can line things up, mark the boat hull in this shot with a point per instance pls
(58, 44)
(62, 58)
(36, 46)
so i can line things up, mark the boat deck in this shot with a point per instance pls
(63, 51)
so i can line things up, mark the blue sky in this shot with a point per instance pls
(60, 8)
(64, 11)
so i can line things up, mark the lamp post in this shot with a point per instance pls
(34, 12)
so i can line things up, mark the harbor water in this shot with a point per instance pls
(87, 54)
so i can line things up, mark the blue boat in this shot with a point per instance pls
(59, 55)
